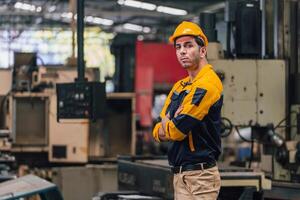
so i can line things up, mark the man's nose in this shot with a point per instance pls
(182, 51)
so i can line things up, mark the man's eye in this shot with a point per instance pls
(177, 47)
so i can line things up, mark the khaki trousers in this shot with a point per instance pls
(198, 184)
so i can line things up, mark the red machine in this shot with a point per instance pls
(156, 68)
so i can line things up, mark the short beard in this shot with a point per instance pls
(185, 66)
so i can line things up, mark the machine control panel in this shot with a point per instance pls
(80, 100)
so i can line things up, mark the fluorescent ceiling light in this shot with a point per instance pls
(137, 4)
(38, 9)
(171, 11)
(121, 2)
(90, 19)
(67, 15)
(146, 29)
(150, 6)
(98, 20)
(135, 27)
(28, 7)
(52, 8)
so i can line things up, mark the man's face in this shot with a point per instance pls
(187, 52)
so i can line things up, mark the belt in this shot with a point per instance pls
(199, 166)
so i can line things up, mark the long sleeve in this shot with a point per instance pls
(155, 131)
(162, 115)
(196, 105)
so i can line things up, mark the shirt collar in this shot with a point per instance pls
(203, 71)
(186, 81)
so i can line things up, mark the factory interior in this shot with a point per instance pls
(82, 83)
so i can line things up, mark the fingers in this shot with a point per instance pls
(161, 131)
(168, 115)
(164, 122)
(161, 134)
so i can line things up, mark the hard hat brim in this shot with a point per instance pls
(173, 38)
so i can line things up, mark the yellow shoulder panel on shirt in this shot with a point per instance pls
(212, 88)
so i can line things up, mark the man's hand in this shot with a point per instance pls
(161, 130)
(164, 121)
(162, 134)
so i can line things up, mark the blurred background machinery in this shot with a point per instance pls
(254, 48)
(260, 112)
(31, 116)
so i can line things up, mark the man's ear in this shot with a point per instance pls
(203, 52)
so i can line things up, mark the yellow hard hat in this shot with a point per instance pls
(188, 28)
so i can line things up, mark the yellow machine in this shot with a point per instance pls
(255, 97)
(31, 119)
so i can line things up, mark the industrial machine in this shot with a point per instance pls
(68, 122)
(254, 99)
(249, 101)
(46, 136)
(81, 100)
(29, 186)
(133, 171)
(41, 133)
(25, 64)
(261, 100)
(261, 94)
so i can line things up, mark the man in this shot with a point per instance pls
(190, 119)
